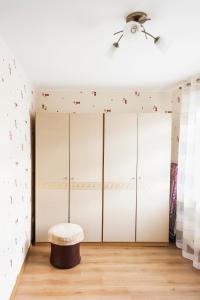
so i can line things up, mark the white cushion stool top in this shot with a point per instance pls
(65, 234)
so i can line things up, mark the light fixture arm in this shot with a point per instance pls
(116, 44)
(149, 34)
(118, 32)
(120, 38)
(144, 30)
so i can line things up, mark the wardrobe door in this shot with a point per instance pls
(153, 181)
(86, 147)
(120, 159)
(52, 172)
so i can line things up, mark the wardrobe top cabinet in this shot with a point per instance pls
(86, 139)
(52, 140)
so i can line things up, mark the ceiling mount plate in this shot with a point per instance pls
(137, 16)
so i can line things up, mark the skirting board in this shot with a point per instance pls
(136, 244)
(129, 244)
(19, 277)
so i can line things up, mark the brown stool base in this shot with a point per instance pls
(65, 257)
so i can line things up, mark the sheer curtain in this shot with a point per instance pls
(188, 189)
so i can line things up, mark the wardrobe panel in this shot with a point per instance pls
(153, 180)
(120, 160)
(52, 172)
(86, 154)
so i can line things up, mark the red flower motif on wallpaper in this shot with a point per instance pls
(44, 107)
(137, 93)
(76, 102)
(124, 100)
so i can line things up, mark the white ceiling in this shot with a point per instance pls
(67, 44)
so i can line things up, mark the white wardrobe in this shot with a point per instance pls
(153, 177)
(120, 162)
(52, 172)
(108, 173)
(86, 155)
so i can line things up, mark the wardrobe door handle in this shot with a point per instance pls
(65, 177)
(139, 178)
(72, 178)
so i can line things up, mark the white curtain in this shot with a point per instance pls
(188, 189)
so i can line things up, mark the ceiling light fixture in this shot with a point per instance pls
(134, 25)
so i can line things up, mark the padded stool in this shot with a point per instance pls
(65, 241)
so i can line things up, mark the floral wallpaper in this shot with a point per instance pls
(16, 103)
(107, 101)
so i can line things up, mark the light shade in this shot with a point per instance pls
(162, 46)
(132, 28)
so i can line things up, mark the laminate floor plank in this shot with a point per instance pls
(113, 272)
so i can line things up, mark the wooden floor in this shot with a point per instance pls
(111, 272)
